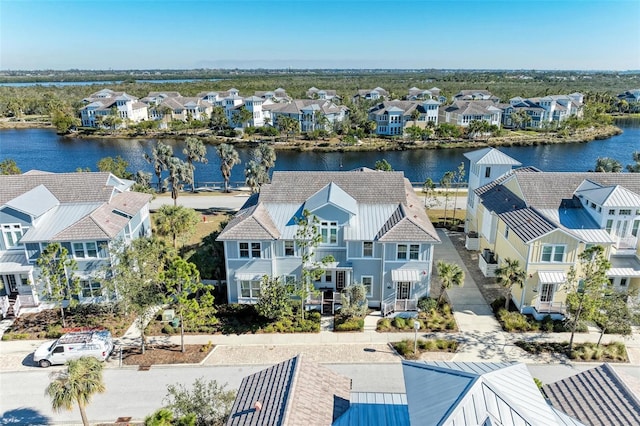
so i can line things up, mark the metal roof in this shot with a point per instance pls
(12, 262)
(375, 409)
(332, 194)
(412, 275)
(552, 277)
(469, 393)
(527, 224)
(597, 397)
(293, 392)
(624, 266)
(491, 156)
(34, 202)
(57, 220)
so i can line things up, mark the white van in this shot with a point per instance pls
(97, 344)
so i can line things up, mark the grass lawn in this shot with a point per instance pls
(210, 223)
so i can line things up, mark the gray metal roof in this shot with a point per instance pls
(375, 409)
(293, 392)
(491, 156)
(383, 205)
(469, 393)
(597, 397)
(624, 266)
(58, 220)
(527, 224)
(611, 196)
(34, 202)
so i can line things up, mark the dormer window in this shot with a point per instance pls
(329, 232)
(11, 233)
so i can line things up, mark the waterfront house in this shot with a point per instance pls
(393, 117)
(543, 111)
(371, 94)
(633, 99)
(85, 212)
(298, 392)
(371, 222)
(312, 114)
(106, 102)
(463, 112)
(180, 108)
(475, 95)
(217, 98)
(545, 220)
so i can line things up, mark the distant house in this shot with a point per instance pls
(475, 95)
(393, 117)
(106, 102)
(462, 112)
(296, 392)
(416, 94)
(371, 222)
(85, 212)
(632, 97)
(371, 94)
(217, 98)
(278, 95)
(312, 114)
(545, 220)
(545, 110)
(179, 108)
(314, 93)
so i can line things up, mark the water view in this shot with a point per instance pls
(44, 150)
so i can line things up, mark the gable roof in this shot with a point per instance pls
(491, 156)
(34, 202)
(332, 194)
(475, 393)
(596, 396)
(291, 393)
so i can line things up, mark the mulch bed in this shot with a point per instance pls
(165, 354)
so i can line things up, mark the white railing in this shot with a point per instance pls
(627, 243)
(4, 305)
(28, 300)
(388, 305)
(16, 307)
(550, 307)
(406, 305)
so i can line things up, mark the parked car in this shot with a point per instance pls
(98, 344)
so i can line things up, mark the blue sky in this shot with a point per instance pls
(148, 34)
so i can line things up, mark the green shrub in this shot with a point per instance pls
(384, 325)
(498, 304)
(349, 324)
(547, 324)
(400, 323)
(53, 332)
(514, 321)
(168, 329)
(15, 336)
(426, 304)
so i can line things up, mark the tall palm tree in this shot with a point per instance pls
(634, 168)
(76, 384)
(228, 158)
(179, 173)
(194, 150)
(159, 158)
(445, 183)
(510, 274)
(256, 175)
(450, 274)
(265, 155)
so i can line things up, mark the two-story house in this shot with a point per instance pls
(371, 94)
(312, 114)
(85, 212)
(371, 222)
(324, 94)
(107, 102)
(463, 112)
(393, 117)
(545, 220)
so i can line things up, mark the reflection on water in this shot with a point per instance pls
(43, 149)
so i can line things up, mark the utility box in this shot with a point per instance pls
(168, 315)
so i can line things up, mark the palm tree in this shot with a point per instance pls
(228, 158)
(265, 155)
(179, 173)
(510, 274)
(159, 158)
(256, 175)
(445, 183)
(175, 221)
(450, 274)
(634, 168)
(76, 384)
(608, 165)
(194, 150)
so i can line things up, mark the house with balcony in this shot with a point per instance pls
(106, 102)
(217, 97)
(180, 108)
(371, 222)
(393, 117)
(463, 112)
(545, 220)
(278, 95)
(312, 114)
(87, 213)
(475, 95)
(546, 110)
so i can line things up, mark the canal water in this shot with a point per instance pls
(43, 149)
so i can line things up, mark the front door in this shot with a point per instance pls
(340, 280)
(546, 293)
(403, 289)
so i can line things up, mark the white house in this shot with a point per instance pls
(462, 113)
(392, 117)
(107, 102)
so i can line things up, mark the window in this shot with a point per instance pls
(82, 250)
(402, 251)
(289, 280)
(634, 229)
(90, 288)
(552, 253)
(609, 226)
(289, 248)
(592, 205)
(329, 232)
(623, 282)
(11, 234)
(367, 282)
(412, 250)
(487, 172)
(251, 249)
(612, 211)
(367, 249)
(250, 288)
(624, 212)
(506, 232)
(328, 276)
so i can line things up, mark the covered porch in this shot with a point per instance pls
(548, 300)
(17, 290)
(406, 288)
